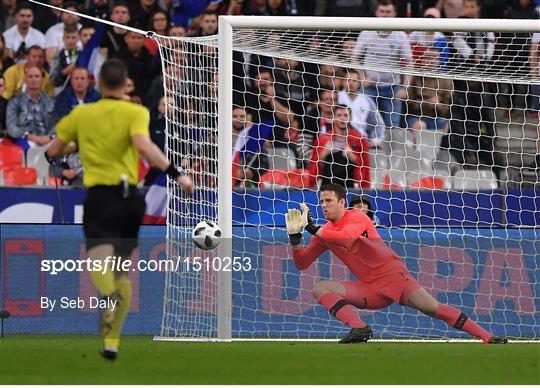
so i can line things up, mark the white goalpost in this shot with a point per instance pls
(443, 161)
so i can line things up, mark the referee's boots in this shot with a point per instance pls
(363, 334)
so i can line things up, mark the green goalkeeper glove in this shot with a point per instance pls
(309, 223)
(296, 222)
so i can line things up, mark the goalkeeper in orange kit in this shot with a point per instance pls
(384, 278)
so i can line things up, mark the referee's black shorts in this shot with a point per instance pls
(109, 218)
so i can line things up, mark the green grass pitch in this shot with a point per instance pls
(74, 360)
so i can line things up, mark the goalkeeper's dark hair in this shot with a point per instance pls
(337, 189)
(113, 74)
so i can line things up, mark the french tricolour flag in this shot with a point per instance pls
(156, 202)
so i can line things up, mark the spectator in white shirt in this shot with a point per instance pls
(54, 38)
(378, 49)
(366, 119)
(22, 36)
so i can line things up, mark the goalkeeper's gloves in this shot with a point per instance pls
(295, 224)
(309, 224)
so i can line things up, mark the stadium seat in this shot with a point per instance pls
(10, 156)
(429, 182)
(428, 142)
(19, 176)
(474, 180)
(285, 178)
(35, 158)
(281, 159)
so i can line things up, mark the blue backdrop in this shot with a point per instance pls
(492, 273)
(266, 207)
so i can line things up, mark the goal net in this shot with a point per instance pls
(435, 126)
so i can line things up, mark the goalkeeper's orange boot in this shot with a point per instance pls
(497, 340)
(363, 334)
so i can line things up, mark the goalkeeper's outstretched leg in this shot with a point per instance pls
(421, 300)
(340, 297)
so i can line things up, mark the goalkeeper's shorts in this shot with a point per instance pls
(393, 284)
(112, 217)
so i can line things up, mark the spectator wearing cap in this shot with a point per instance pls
(22, 36)
(15, 75)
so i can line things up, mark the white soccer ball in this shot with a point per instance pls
(206, 235)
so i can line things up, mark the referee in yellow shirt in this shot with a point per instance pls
(109, 135)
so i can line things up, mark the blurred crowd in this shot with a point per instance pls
(327, 118)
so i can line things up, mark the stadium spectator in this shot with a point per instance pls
(173, 77)
(250, 158)
(22, 35)
(159, 23)
(515, 54)
(474, 49)
(131, 94)
(366, 119)
(318, 119)
(422, 39)
(358, 8)
(177, 31)
(275, 8)
(85, 34)
(290, 85)
(374, 48)
(78, 92)
(45, 17)
(139, 62)
(54, 38)
(3, 107)
(141, 11)
(472, 123)
(428, 105)
(450, 8)
(208, 24)
(30, 114)
(260, 100)
(65, 59)
(330, 77)
(363, 203)
(5, 60)
(113, 39)
(341, 155)
(158, 123)
(235, 7)
(7, 17)
(185, 13)
(97, 8)
(15, 75)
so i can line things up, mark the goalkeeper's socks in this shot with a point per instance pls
(455, 318)
(339, 308)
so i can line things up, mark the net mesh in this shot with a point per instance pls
(437, 130)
